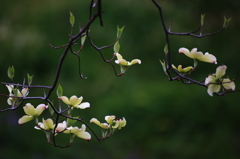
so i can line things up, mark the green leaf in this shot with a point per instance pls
(15, 91)
(70, 122)
(72, 19)
(48, 135)
(83, 38)
(29, 79)
(195, 63)
(116, 47)
(72, 136)
(163, 65)
(166, 49)
(226, 22)
(119, 31)
(11, 72)
(202, 19)
(50, 109)
(59, 91)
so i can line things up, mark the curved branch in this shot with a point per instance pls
(62, 58)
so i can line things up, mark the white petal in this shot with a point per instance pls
(41, 125)
(117, 62)
(36, 127)
(94, 120)
(220, 71)
(68, 130)
(210, 79)
(29, 109)
(196, 55)
(123, 123)
(208, 58)
(65, 100)
(123, 62)
(212, 88)
(40, 108)
(185, 51)
(109, 119)
(24, 119)
(84, 135)
(119, 56)
(75, 130)
(60, 127)
(84, 105)
(25, 92)
(48, 124)
(135, 61)
(9, 101)
(116, 124)
(74, 100)
(10, 87)
(102, 125)
(230, 85)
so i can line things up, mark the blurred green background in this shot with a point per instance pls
(165, 119)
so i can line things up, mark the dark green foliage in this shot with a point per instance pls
(165, 119)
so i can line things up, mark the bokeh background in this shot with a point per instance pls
(165, 119)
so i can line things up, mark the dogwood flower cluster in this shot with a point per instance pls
(32, 113)
(124, 64)
(66, 126)
(111, 124)
(49, 126)
(62, 122)
(198, 55)
(15, 93)
(75, 102)
(183, 70)
(215, 81)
